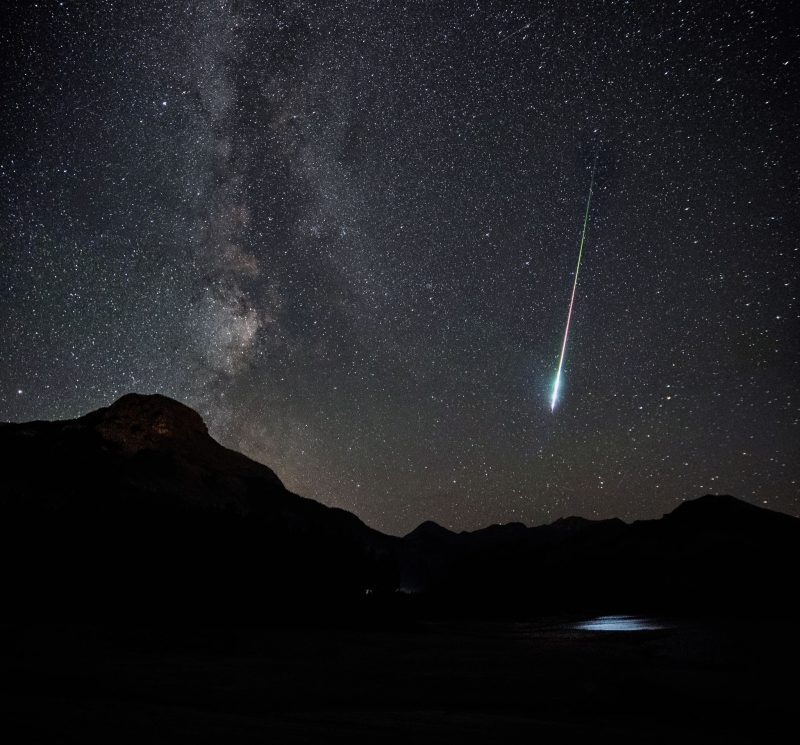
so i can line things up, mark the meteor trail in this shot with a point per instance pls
(518, 31)
(524, 28)
(557, 382)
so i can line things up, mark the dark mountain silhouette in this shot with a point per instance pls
(134, 508)
(709, 554)
(429, 531)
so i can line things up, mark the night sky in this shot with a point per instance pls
(346, 233)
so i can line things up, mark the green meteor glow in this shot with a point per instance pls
(557, 382)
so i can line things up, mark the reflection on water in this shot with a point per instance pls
(619, 623)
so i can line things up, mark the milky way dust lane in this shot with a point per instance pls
(557, 383)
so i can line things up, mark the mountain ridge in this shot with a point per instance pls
(139, 422)
(138, 499)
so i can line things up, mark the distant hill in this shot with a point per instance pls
(709, 554)
(135, 509)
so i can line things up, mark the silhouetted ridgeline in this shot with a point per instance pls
(135, 509)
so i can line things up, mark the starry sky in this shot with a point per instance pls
(346, 233)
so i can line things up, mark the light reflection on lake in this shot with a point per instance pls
(619, 623)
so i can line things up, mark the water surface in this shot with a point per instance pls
(620, 623)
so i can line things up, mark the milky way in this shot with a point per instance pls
(341, 232)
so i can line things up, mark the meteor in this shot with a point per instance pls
(524, 28)
(557, 383)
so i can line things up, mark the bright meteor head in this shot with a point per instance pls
(554, 397)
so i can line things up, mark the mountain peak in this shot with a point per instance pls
(717, 510)
(430, 530)
(137, 421)
(712, 503)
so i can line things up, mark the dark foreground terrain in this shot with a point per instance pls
(159, 588)
(493, 682)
